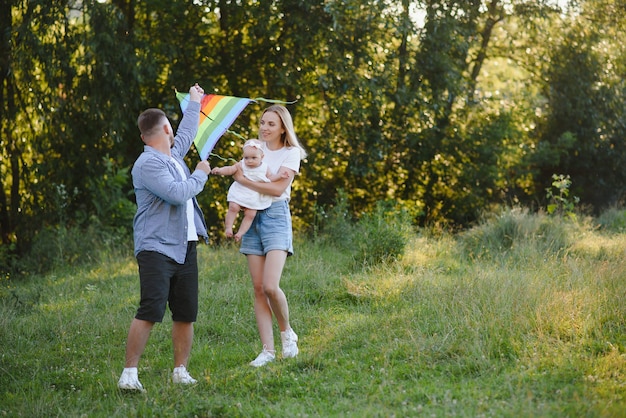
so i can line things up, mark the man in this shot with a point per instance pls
(166, 227)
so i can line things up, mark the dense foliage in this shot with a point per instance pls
(447, 107)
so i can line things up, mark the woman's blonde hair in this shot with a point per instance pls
(289, 137)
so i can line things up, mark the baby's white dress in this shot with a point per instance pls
(246, 197)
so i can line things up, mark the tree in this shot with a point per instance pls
(583, 133)
(471, 105)
(67, 113)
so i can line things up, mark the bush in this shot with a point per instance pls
(335, 224)
(61, 246)
(498, 235)
(376, 237)
(612, 220)
(381, 235)
(8, 260)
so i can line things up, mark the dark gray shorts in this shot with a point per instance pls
(165, 282)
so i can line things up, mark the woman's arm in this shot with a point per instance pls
(275, 188)
(278, 176)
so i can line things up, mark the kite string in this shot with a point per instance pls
(222, 158)
(262, 99)
(228, 159)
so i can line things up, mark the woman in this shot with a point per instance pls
(269, 241)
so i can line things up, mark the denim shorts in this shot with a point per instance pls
(270, 230)
(165, 282)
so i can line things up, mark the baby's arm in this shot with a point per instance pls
(228, 170)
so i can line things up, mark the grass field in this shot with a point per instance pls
(489, 324)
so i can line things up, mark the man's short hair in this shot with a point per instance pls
(149, 120)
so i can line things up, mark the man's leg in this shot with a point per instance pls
(138, 335)
(184, 306)
(182, 338)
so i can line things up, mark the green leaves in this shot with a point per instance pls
(560, 202)
(449, 108)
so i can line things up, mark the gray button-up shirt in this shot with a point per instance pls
(160, 223)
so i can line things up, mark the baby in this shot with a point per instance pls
(241, 198)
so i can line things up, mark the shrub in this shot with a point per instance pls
(381, 235)
(61, 246)
(559, 199)
(376, 237)
(498, 235)
(335, 223)
(612, 220)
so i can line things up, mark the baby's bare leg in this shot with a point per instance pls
(231, 215)
(246, 222)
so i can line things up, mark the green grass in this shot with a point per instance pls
(458, 326)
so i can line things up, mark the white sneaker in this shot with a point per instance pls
(290, 343)
(263, 358)
(181, 375)
(130, 381)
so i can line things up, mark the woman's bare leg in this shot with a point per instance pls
(272, 272)
(262, 309)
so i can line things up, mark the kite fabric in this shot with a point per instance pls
(217, 113)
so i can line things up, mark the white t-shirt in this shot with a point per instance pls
(288, 157)
(192, 234)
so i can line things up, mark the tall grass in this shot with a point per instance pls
(522, 316)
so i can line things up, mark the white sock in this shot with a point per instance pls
(131, 370)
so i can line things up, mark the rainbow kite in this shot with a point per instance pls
(217, 113)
